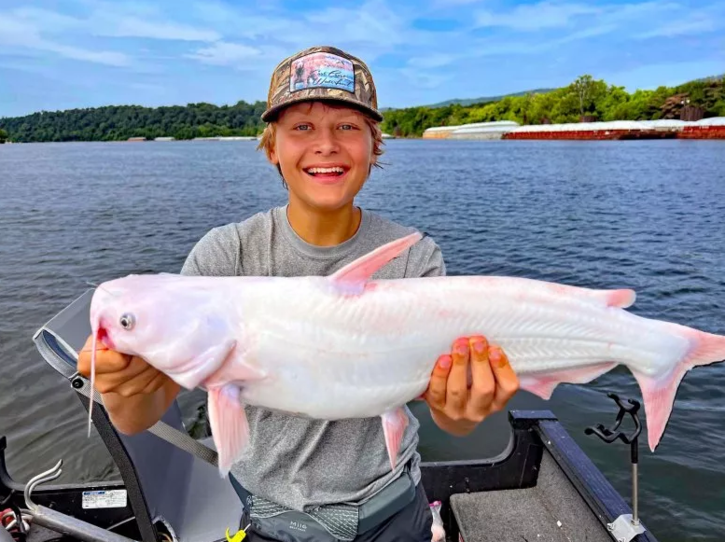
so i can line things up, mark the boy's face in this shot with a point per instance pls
(314, 135)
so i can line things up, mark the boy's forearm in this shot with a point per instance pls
(131, 415)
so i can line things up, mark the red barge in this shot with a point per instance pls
(710, 128)
(615, 130)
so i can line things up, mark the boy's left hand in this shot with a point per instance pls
(457, 407)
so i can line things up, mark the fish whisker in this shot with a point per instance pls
(89, 283)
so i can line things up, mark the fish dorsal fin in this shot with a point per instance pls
(359, 271)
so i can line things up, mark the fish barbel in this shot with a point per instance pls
(347, 346)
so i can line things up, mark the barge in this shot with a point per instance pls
(710, 128)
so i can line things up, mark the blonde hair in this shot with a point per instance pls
(266, 142)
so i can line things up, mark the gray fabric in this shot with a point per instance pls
(296, 462)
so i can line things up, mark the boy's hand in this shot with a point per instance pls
(458, 407)
(120, 373)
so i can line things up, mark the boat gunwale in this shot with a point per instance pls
(601, 497)
(517, 467)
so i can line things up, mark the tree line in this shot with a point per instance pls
(584, 99)
(114, 123)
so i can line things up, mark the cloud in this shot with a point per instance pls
(133, 27)
(453, 3)
(420, 52)
(535, 16)
(46, 20)
(110, 58)
(695, 25)
(435, 60)
(21, 32)
(425, 79)
(225, 54)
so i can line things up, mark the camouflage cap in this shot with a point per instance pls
(322, 73)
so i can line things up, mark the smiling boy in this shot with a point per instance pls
(323, 136)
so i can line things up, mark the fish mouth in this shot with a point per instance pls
(105, 338)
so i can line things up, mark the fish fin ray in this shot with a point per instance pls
(229, 425)
(544, 384)
(359, 271)
(658, 394)
(394, 424)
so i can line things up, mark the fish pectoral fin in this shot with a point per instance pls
(357, 272)
(394, 424)
(229, 426)
(208, 362)
(543, 384)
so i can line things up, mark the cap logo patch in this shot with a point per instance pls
(321, 70)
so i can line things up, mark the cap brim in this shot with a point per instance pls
(271, 114)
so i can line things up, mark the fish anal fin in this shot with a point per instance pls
(353, 276)
(540, 386)
(229, 426)
(543, 384)
(394, 424)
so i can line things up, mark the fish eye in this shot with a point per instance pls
(127, 321)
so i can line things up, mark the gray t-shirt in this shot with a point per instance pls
(299, 462)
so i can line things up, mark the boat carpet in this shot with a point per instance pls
(552, 511)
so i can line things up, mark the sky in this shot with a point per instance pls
(65, 54)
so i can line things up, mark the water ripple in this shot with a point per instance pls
(642, 215)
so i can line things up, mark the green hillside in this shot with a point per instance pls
(585, 98)
(488, 99)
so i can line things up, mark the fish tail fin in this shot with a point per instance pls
(658, 394)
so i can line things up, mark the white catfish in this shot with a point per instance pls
(346, 346)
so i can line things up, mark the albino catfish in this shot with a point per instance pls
(347, 346)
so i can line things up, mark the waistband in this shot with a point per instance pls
(344, 521)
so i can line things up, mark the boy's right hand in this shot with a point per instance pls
(119, 373)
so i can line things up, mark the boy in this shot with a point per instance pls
(323, 136)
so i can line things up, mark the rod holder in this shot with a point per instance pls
(611, 434)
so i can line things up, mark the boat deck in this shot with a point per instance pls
(552, 511)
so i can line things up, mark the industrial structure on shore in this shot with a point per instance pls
(710, 128)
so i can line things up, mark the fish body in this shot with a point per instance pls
(346, 346)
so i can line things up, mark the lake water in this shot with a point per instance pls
(645, 215)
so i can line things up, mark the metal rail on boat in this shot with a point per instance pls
(62, 523)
